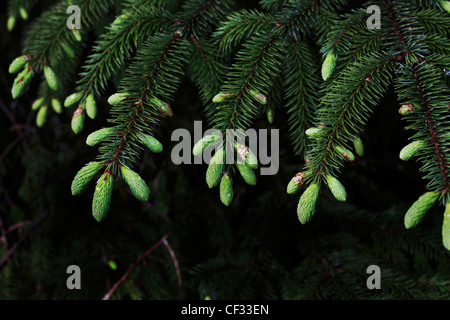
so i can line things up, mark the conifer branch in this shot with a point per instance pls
(42, 46)
(240, 27)
(431, 123)
(137, 100)
(263, 53)
(341, 120)
(301, 83)
(115, 47)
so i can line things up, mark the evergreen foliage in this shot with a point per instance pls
(138, 68)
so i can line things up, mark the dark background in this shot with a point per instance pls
(254, 249)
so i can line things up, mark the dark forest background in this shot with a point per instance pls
(254, 249)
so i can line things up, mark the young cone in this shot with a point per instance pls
(163, 107)
(98, 136)
(151, 143)
(203, 143)
(37, 103)
(10, 23)
(258, 96)
(21, 83)
(23, 13)
(68, 49)
(226, 189)
(295, 183)
(72, 99)
(417, 211)
(215, 168)
(102, 196)
(56, 105)
(247, 155)
(336, 188)
(313, 132)
(76, 34)
(17, 64)
(41, 116)
(270, 116)
(78, 120)
(51, 78)
(84, 176)
(445, 5)
(137, 185)
(406, 109)
(347, 154)
(246, 173)
(116, 98)
(306, 207)
(222, 96)
(410, 150)
(91, 106)
(328, 65)
(359, 146)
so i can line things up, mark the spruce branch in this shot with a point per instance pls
(240, 27)
(114, 48)
(254, 69)
(346, 107)
(432, 98)
(301, 98)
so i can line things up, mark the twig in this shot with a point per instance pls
(14, 247)
(18, 225)
(3, 234)
(133, 266)
(175, 261)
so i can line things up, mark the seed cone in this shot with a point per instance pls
(137, 185)
(77, 123)
(226, 189)
(102, 196)
(359, 146)
(17, 64)
(98, 136)
(91, 106)
(41, 116)
(328, 65)
(336, 188)
(417, 211)
(51, 78)
(306, 207)
(84, 176)
(295, 183)
(72, 99)
(151, 143)
(247, 173)
(215, 168)
(347, 154)
(203, 143)
(410, 150)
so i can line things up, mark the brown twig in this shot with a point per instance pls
(18, 225)
(30, 230)
(3, 235)
(108, 295)
(175, 261)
